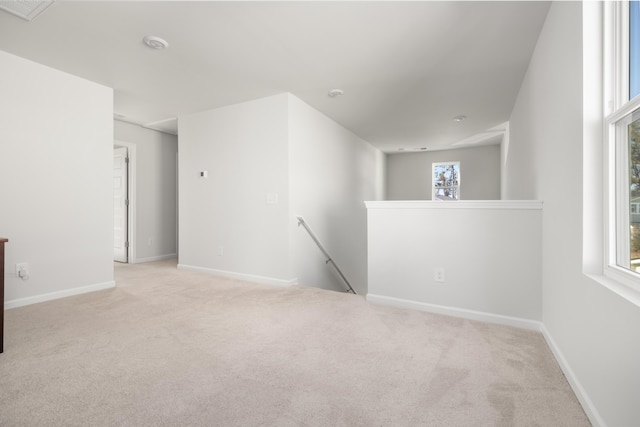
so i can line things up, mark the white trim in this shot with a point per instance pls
(19, 302)
(155, 258)
(616, 212)
(587, 405)
(241, 276)
(621, 61)
(594, 155)
(619, 281)
(459, 204)
(481, 316)
(131, 190)
(609, 191)
(620, 201)
(625, 110)
(615, 49)
(618, 109)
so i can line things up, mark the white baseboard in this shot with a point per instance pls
(154, 258)
(19, 302)
(457, 312)
(576, 386)
(241, 276)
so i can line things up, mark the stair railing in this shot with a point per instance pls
(302, 222)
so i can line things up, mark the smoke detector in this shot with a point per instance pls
(334, 93)
(155, 42)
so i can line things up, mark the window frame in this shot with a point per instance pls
(434, 188)
(619, 110)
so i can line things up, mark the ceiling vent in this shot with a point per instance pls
(25, 9)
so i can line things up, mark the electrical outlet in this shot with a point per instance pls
(438, 274)
(220, 250)
(22, 270)
(271, 198)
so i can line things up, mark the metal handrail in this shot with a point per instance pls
(302, 222)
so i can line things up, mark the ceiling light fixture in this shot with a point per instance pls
(460, 118)
(155, 42)
(334, 93)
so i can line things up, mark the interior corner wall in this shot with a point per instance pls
(332, 173)
(57, 180)
(594, 330)
(156, 190)
(409, 174)
(235, 220)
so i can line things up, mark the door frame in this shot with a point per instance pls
(131, 194)
(121, 204)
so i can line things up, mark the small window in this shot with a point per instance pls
(446, 181)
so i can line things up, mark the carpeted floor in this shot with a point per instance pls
(174, 348)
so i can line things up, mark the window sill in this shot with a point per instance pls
(617, 286)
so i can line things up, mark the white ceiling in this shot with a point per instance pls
(406, 68)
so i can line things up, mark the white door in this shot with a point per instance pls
(120, 202)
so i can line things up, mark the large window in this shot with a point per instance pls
(626, 140)
(623, 141)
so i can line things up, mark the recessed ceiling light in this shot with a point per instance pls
(155, 42)
(460, 118)
(333, 93)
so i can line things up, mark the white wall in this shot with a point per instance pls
(244, 148)
(595, 332)
(57, 181)
(409, 175)
(156, 190)
(490, 253)
(332, 173)
(266, 147)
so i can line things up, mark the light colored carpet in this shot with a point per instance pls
(174, 348)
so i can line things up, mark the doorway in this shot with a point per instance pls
(124, 217)
(120, 204)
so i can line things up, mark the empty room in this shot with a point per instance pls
(323, 213)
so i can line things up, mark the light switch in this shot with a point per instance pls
(272, 198)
